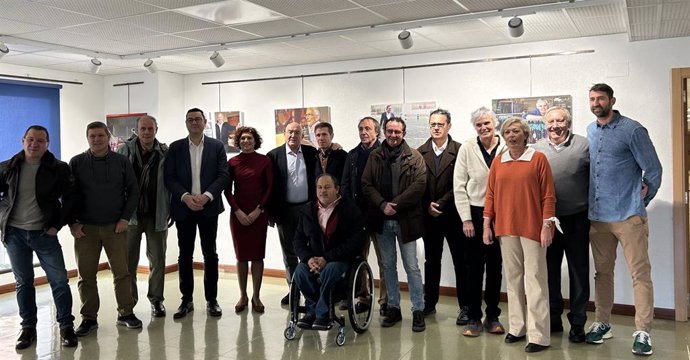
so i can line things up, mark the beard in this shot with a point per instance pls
(601, 112)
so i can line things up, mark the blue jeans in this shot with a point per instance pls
(408, 253)
(20, 245)
(317, 295)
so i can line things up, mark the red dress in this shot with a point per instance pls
(252, 179)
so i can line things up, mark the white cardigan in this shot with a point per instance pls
(470, 176)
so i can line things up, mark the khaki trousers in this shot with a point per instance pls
(87, 250)
(633, 235)
(524, 263)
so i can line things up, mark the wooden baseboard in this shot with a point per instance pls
(618, 309)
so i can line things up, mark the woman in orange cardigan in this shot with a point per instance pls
(520, 203)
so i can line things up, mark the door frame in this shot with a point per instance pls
(680, 194)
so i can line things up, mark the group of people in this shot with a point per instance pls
(500, 205)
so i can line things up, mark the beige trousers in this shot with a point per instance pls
(524, 265)
(633, 235)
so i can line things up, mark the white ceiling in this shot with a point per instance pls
(64, 34)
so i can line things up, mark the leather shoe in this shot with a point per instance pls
(185, 307)
(577, 334)
(285, 300)
(26, 337)
(67, 337)
(510, 338)
(213, 308)
(532, 347)
(157, 309)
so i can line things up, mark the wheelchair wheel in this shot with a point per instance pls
(340, 338)
(360, 297)
(290, 331)
(294, 306)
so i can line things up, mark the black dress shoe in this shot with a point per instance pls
(185, 307)
(214, 309)
(383, 310)
(157, 309)
(532, 347)
(285, 300)
(67, 337)
(510, 338)
(26, 338)
(556, 327)
(463, 316)
(577, 334)
(429, 310)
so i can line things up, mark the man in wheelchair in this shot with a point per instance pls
(329, 235)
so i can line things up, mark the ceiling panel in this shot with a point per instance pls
(169, 22)
(464, 26)
(11, 27)
(322, 42)
(276, 28)
(418, 10)
(675, 28)
(217, 35)
(84, 42)
(379, 2)
(112, 30)
(601, 25)
(597, 11)
(675, 11)
(29, 59)
(303, 7)
(176, 4)
(38, 14)
(165, 42)
(485, 5)
(643, 14)
(343, 19)
(643, 31)
(103, 9)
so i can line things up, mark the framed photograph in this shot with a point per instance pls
(306, 117)
(122, 127)
(223, 128)
(530, 109)
(416, 116)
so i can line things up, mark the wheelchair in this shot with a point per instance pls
(356, 288)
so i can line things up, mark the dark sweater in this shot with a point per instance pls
(106, 188)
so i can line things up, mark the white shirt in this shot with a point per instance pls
(297, 188)
(439, 150)
(526, 156)
(195, 152)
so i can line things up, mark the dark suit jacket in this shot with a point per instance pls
(347, 241)
(277, 204)
(439, 182)
(215, 176)
(334, 165)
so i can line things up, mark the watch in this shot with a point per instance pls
(547, 225)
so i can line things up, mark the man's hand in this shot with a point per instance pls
(389, 209)
(201, 199)
(336, 146)
(468, 228)
(433, 210)
(52, 231)
(121, 226)
(191, 202)
(77, 230)
(316, 264)
(645, 189)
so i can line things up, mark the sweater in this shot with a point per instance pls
(520, 194)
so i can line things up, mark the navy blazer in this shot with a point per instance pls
(277, 208)
(215, 176)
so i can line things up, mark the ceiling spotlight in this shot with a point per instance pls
(217, 59)
(405, 38)
(515, 27)
(150, 66)
(3, 49)
(95, 65)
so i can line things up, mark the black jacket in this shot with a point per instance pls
(439, 182)
(277, 205)
(334, 164)
(53, 181)
(347, 241)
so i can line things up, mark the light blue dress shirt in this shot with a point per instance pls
(621, 157)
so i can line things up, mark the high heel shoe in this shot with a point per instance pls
(240, 307)
(258, 306)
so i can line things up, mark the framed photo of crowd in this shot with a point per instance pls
(531, 109)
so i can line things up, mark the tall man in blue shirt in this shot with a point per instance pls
(625, 175)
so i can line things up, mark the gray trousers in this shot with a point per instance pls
(156, 244)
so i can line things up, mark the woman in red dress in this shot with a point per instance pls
(248, 193)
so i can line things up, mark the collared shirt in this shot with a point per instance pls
(297, 188)
(621, 157)
(325, 212)
(438, 150)
(559, 147)
(323, 157)
(526, 156)
(195, 153)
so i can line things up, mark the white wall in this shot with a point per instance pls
(79, 105)
(643, 92)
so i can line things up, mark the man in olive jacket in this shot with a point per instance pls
(394, 180)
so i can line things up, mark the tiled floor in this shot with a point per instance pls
(260, 336)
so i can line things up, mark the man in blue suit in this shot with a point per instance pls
(196, 172)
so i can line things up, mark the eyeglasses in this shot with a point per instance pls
(196, 119)
(437, 125)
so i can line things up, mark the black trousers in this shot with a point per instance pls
(186, 236)
(480, 258)
(574, 242)
(435, 230)
(286, 233)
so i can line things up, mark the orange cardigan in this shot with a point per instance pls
(520, 195)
